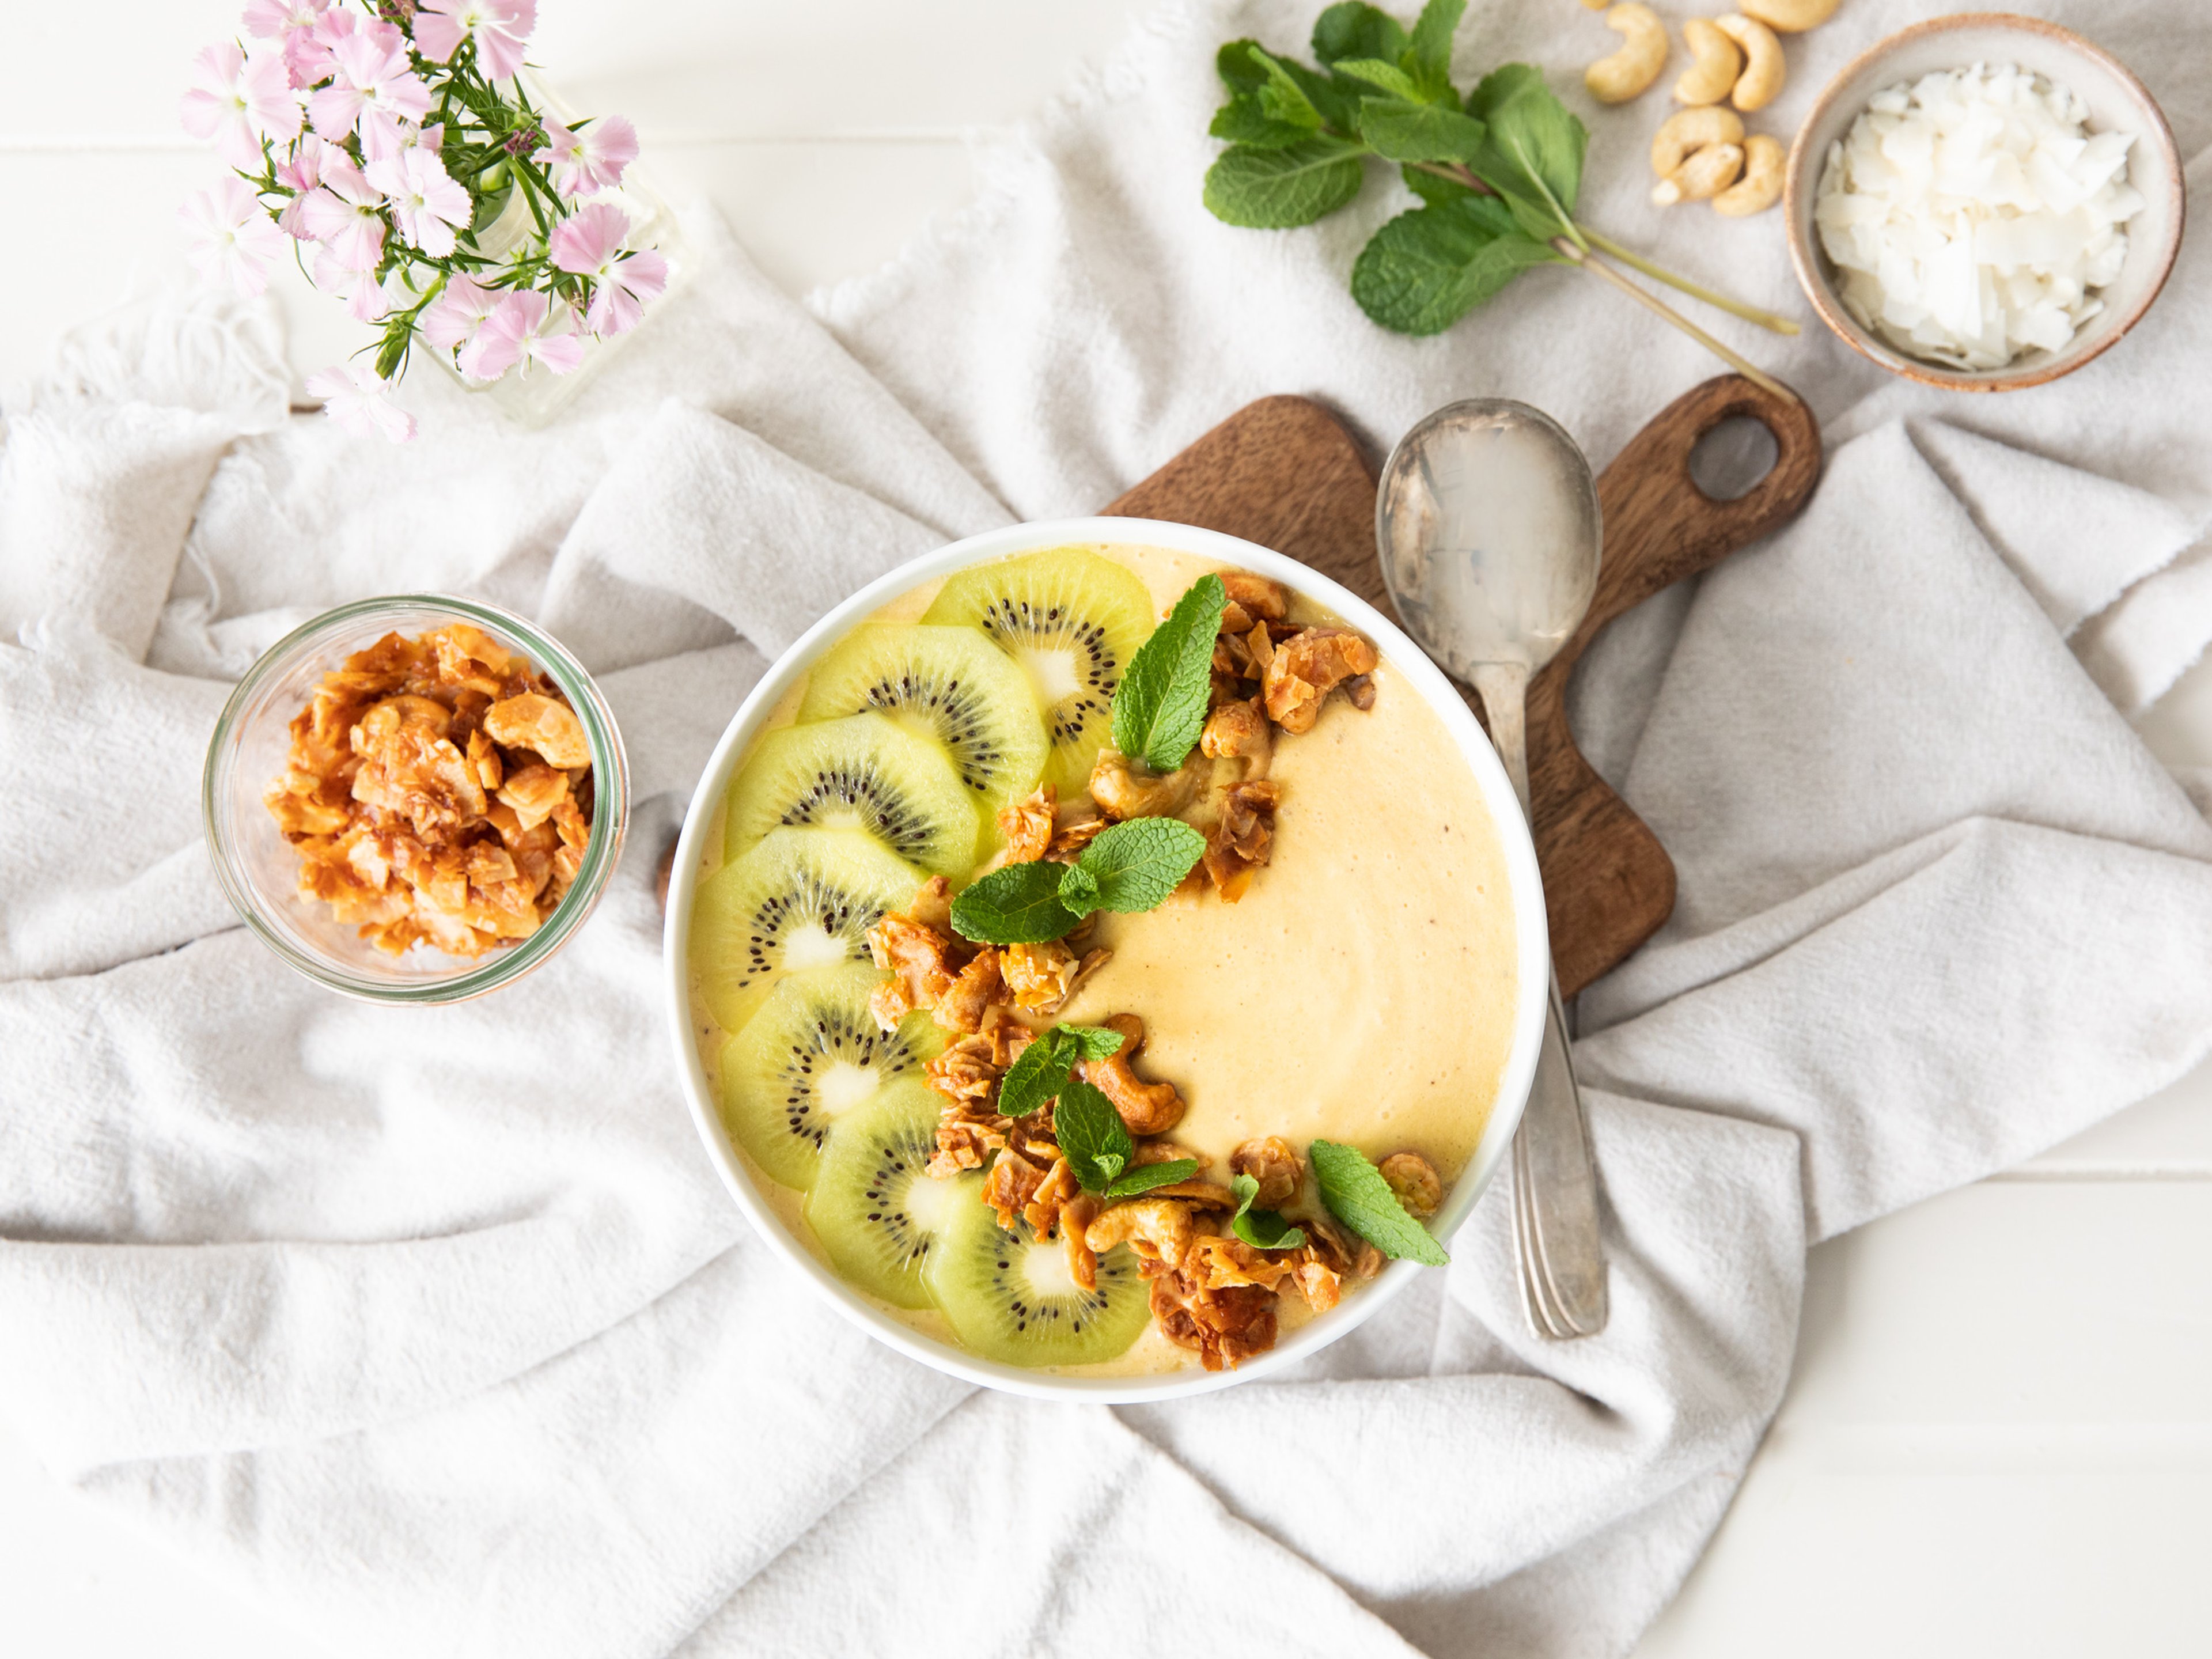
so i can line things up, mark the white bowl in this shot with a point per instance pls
(1531, 943)
(2116, 100)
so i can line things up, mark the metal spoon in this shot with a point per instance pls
(1488, 526)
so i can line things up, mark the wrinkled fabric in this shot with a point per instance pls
(433, 1328)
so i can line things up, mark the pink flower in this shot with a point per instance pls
(382, 144)
(591, 160)
(300, 172)
(589, 243)
(453, 319)
(290, 23)
(361, 403)
(345, 214)
(232, 238)
(365, 297)
(239, 99)
(372, 76)
(500, 29)
(524, 328)
(425, 203)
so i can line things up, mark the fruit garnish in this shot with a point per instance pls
(873, 1205)
(1012, 1297)
(860, 773)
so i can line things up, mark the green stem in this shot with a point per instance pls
(1567, 250)
(1750, 313)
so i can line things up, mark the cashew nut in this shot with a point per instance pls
(1158, 1228)
(1707, 81)
(1148, 1109)
(1123, 790)
(1416, 1183)
(1761, 187)
(1274, 1162)
(1688, 130)
(1707, 174)
(1763, 70)
(1790, 17)
(1643, 54)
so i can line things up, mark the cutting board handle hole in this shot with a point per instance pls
(1734, 457)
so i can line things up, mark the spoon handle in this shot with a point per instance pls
(1555, 1182)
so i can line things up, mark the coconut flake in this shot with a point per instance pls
(1972, 216)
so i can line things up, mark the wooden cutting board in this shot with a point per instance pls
(1284, 472)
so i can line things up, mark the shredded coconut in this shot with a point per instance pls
(1972, 216)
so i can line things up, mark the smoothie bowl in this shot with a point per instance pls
(1106, 957)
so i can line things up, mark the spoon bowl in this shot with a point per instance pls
(1488, 524)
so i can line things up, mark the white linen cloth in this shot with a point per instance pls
(432, 1325)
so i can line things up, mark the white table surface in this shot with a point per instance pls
(1999, 1436)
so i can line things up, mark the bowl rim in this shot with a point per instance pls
(1806, 258)
(609, 804)
(1525, 881)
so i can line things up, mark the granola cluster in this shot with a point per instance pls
(1270, 676)
(438, 789)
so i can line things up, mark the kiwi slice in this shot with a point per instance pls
(859, 772)
(948, 685)
(1071, 618)
(811, 1055)
(1011, 1297)
(802, 899)
(873, 1205)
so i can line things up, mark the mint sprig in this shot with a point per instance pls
(1043, 1070)
(1498, 172)
(1129, 868)
(1159, 708)
(1356, 1195)
(1096, 1144)
(1263, 1230)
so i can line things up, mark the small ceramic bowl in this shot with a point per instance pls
(2116, 100)
(258, 868)
(1531, 943)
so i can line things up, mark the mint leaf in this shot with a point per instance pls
(1234, 65)
(1159, 708)
(1039, 1071)
(1355, 30)
(1018, 904)
(1079, 890)
(1135, 865)
(1242, 121)
(1385, 77)
(1089, 1130)
(1418, 132)
(1096, 1041)
(1426, 270)
(1356, 1195)
(1110, 1165)
(1263, 1230)
(1432, 188)
(1283, 99)
(1428, 53)
(1145, 1177)
(1277, 189)
(1532, 150)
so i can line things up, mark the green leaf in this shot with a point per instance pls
(1242, 121)
(1428, 53)
(1079, 890)
(1418, 132)
(1145, 1177)
(1283, 99)
(1234, 65)
(1426, 270)
(1356, 1195)
(1385, 77)
(1138, 864)
(1018, 904)
(1279, 188)
(1096, 1041)
(1088, 1129)
(1110, 1165)
(1356, 30)
(1159, 708)
(1533, 147)
(1263, 1230)
(1039, 1071)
